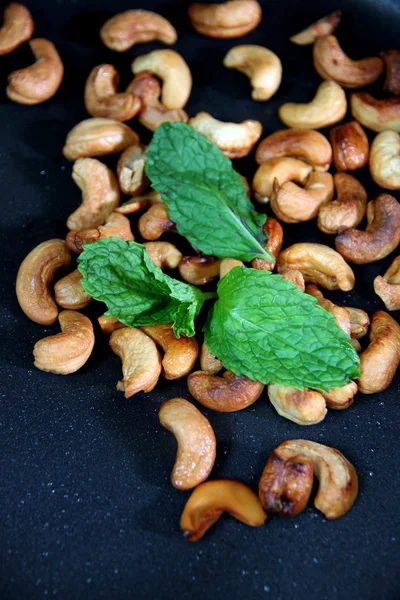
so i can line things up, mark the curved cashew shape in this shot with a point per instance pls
(231, 19)
(209, 363)
(109, 324)
(378, 115)
(384, 160)
(350, 146)
(227, 264)
(17, 27)
(333, 64)
(170, 67)
(388, 286)
(293, 204)
(155, 222)
(295, 278)
(212, 498)
(338, 481)
(359, 322)
(391, 58)
(130, 170)
(328, 107)
(341, 314)
(102, 98)
(280, 170)
(138, 203)
(196, 442)
(304, 144)
(126, 29)
(98, 137)
(324, 26)
(348, 209)
(379, 362)
(262, 67)
(163, 254)
(274, 244)
(234, 139)
(70, 294)
(381, 236)
(180, 354)
(35, 276)
(68, 351)
(304, 408)
(40, 81)
(199, 270)
(319, 264)
(224, 394)
(116, 226)
(141, 361)
(342, 397)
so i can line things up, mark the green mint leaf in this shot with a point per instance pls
(205, 196)
(265, 328)
(136, 292)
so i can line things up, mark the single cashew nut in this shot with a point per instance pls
(40, 81)
(141, 361)
(227, 264)
(304, 408)
(208, 362)
(379, 362)
(102, 98)
(199, 270)
(17, 27)
(304, 144)
(139, 203)
(68, 351)
(69, 292)
(391, 58)
(155, 222)
(180, 354)
(163, 254)
(378, 115)
(231, 19)
(126, 29)
(212, 498)
(275, 238)
(359, 322)
(98, 137)
(328, 107)
(115, 226)
(342, 397)
(350, 146)
(262, 67)
(34, 279)
(224, 394)
(341, 314)
(388, 286)
(324, 26)
(109, 324)
(196, 442)
(384, 160)
(293, 204)
(295, 278)
(280, 169)
(130, 170)
(348, 209)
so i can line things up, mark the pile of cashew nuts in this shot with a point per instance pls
(292, 178)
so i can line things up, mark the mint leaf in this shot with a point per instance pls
(265, 328)
(135, 291)
(205, 196)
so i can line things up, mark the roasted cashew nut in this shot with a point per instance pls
(196, 442)
(35, 276)
(293, 204)
(68, 351)
(109, 324)
(342, 397)
(212, 498)
(231, 19)
(40, 81)
(17, 27)
(227, 264)
(163, 254)
(379, 362)
(154, 222)
(324, 26)
(199, 270)
(180, 354)
(224, 394)
(208, 362)
(391, 58)
(126, 29)
(274, 244)
(381, 236)
(328, 107)
(138, 203)
(304, 408)
(102, 98)
(130, 170)
(388, 286)
(341, 314)
(384, 160)
(280, 169)
(98, 137)
(262, 67)
(295, 277)
(69, 292)
(304, 144)
(350, 146)
(378, 115)
(348, 209)
(359, 322)
(116, 226)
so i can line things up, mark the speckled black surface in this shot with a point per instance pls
(87, 509)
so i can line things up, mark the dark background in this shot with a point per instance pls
(87, 507)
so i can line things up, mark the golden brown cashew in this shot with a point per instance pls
(40, 81)
(102, 98)
(348, 209)
(293, 204)
(17, 27)
(180, 354)
(350, 146)
(379, 362)
(35, 276)
(324, 26)
(280, 169)
(378, 115)
(141, 361)
(359, 322)
(138, 203)
(163, 254)
(227, 264)
(230, 19)
(199, 270)
(70, 294)
(262, 67)
(196, 442)
(381, 236)
(208, 362)
(333, 64)
(304, 144)
(126, 29)
(130, 170)
(388, 286)
(391, 58)
(356, 345)
(341, 314)
(328, 107)
(234, 139)
(109, 324)
(155, 222)
(295, 278)
(68, 351)
(98, 137)
(274, 244)
(384, 160)
(115, 226)
(319, 264)
(170, 67)
(224, 394)
(304, 408)
(342, 397)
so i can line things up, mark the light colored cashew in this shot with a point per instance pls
(262, 67)
(163, 254)
(138, 203)
(304, 144)
(341, 314)
(274, 244)
(155, 222)
(102, 98)
(196, 442)
(324, 26)
(348, 209)
(199, 270)
(379, 362)
(40, 81)
(208, 362)
(98, 137)
(319, 264)
(280, 169)
(388, 286)
(212, 498)
(328, 107)
(293, 204)
(338, 481)
(109, 324)
(180, 354)
(116, 226)
(70, 294)
(350, 146)
(384, 160)
(141, 361)
(391, 58)
(234, 139)
(378, 115)
(295, 277)
(227, 264)
(342, 397)
(356, 345)
(68, 351)
(126, 29)
(130, 170)
(35, 276)
(331, 63)
(304, 408)
(224, 394)
(17, 27)
(231, 19)
(381, 236)
(171, 68)
(359, 322)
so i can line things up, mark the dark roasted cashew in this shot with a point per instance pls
(391, 58)
(116, 226)
(180, 354)
(224, 394)
(293, 204)
(350, 146)
(348, 209)
(388, 286)
(342, 397)
(102, 98)
(359, 322)
(378, 115)
(163, 254)
(305, 407)
(209, 363)
(126, 29)
(155, 222)
(274, 244)
(324, 26)
(199, 270)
